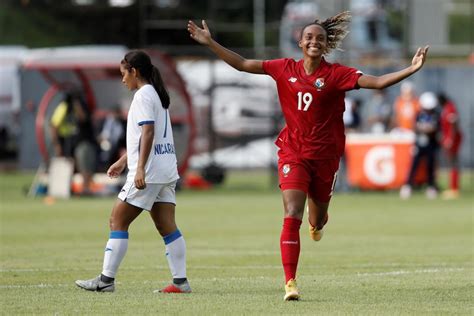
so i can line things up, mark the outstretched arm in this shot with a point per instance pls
(203, 36)
(374, 82)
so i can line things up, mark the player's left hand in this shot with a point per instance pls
(200, 35)
(420, 57)
(140, 179)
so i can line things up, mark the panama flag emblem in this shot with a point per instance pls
(286, 169)
(319, 83)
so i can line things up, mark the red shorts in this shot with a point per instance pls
(314, 177)
(454, 149)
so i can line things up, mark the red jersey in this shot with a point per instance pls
(449, 116)
(312, 106)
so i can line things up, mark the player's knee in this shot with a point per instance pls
(159, 227)
(165, 227)
(117, 225)
(111, 223)
(294, 210)
(321, 207)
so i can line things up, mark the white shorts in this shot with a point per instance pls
(153, 193)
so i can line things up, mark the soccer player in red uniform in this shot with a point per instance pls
(451, 138)
(311, 93)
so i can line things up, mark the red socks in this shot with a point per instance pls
(290, 246)
(454, 180)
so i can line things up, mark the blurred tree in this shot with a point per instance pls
(42, 23)
(231, 22)
(395, 23)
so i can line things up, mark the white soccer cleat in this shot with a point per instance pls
(405, 192)
(96, 285)
(431, 193)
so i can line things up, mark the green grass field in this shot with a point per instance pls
(379, 255)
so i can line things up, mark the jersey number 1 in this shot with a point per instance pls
(306, 98)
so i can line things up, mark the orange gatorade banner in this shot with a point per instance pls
(379, 161)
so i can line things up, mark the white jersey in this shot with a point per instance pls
(146, 108)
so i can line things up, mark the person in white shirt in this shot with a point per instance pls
(111, 137)
(151, 179)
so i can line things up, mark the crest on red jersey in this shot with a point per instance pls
(286, 169)
(319, 83)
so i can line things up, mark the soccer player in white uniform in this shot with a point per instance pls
(151, 179)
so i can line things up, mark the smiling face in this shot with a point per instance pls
(129, 78)
(313, 41)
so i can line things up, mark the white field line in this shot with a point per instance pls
(402, 272)
(140, 268)
(373, 274)
(439, 265)
(38, 286)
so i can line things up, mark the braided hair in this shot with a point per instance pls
(142, 62)
(336, 28)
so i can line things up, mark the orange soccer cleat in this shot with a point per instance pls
(291, 291)
(316, 234)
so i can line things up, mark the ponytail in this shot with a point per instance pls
(336, 28)
(142, 62)
(157, 82)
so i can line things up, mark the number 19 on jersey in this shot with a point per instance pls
(305, 98)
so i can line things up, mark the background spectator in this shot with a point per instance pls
(111, 137)
(73, 136)
(64, 127)
(379, 111)
(406, 107)
(351, 116)
(451, 142)
(85, 152)
(426, 145)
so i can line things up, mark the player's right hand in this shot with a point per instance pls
(200, 35)
(139, 180)
(115, 170)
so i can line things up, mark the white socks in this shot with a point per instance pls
(176, 254)
(114, 252)
(117, 247)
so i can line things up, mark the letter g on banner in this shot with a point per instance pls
(379, 165)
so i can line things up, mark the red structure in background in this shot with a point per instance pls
(81, 75)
